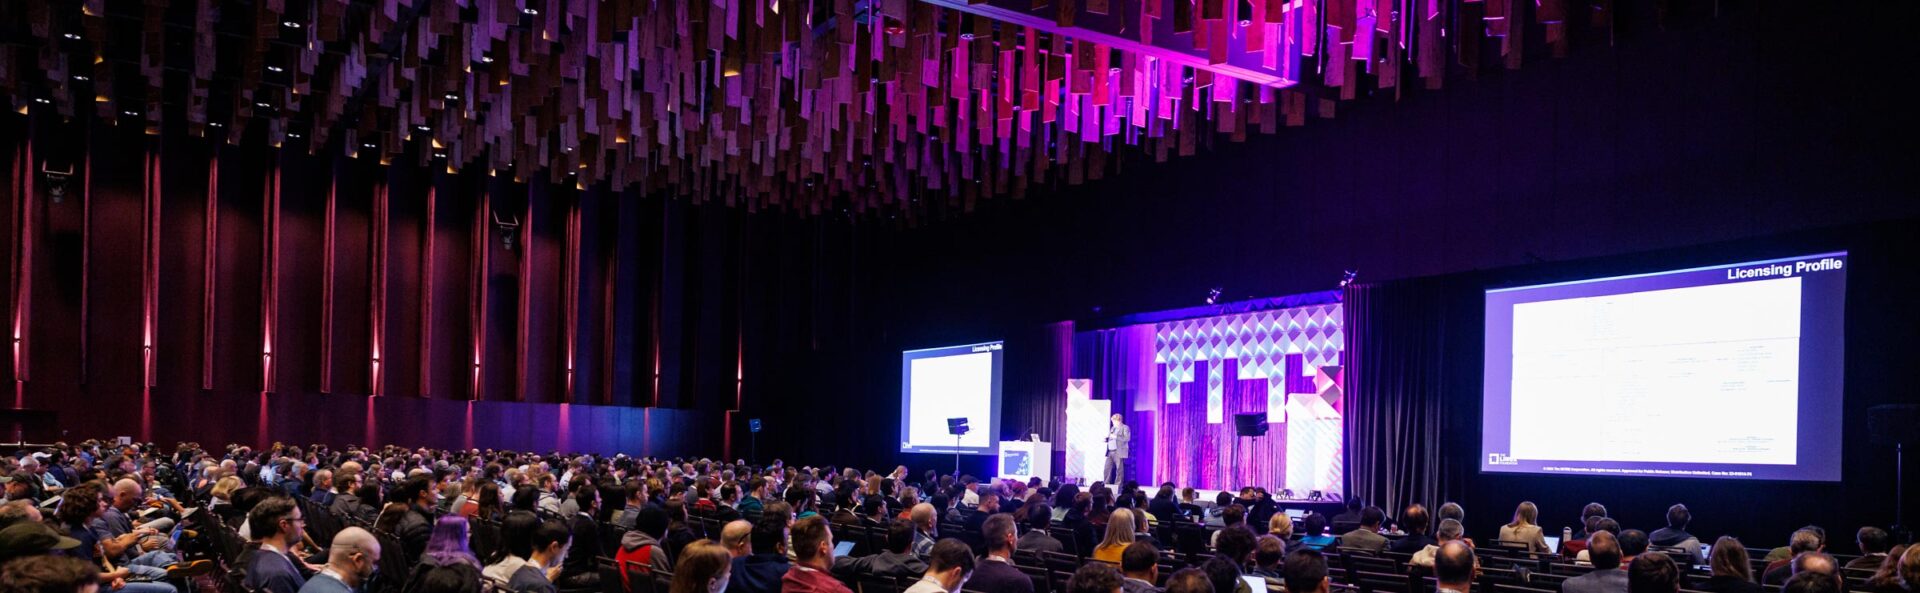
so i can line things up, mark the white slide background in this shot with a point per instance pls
(1705, 374)
(951, 387)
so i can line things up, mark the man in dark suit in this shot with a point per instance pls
(1037, 539)
(996, 574)
(895, 561)
(1604, 551)
(1415, 521)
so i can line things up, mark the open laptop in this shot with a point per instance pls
(1296, 514)
(1317, 542)
(1553, 543)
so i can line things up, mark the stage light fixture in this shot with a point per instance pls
(290, 24)
(276, 69)
(453, 97)
(261, 104)
(293, 135)
(42, 101)
(530, 11)
(486, 59)
(1347, 277)
(1213, 295)
(423, 128)
(439, 155)
(82, 77)
(71, 36)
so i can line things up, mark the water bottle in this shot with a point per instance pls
(1566, 535)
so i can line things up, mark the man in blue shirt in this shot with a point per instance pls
(276, 524)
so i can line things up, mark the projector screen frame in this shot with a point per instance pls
(1819, 428)
(987, 428)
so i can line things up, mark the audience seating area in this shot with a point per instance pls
(682, 501)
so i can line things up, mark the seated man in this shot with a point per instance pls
(1036, 539)
(1653, 573)
(950, 563)
(1604, 551)
(996, 573)
(1453, 568)
(813, 557)
(1450, 530)
(895, 561)
(1140, 568)
(550, 542)
(1873, 542)
(1675, 535)
(1268, 552)
(276, 524)
(1415, 522)
(1367, 536)
(1805, 541)
(763, 571)
(1306, 572)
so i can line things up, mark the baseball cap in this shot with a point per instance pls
(31, 538)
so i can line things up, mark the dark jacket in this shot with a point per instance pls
(992, 576)
(882, 564)
(1729, 584)
(759, 573)
(586, 547)
(415, 528)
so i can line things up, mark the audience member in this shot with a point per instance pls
(1674, 536)
(1786, 552)
(1653, 572)
(762, 571)
(1449, 530)
(996, 573)
(1415, 522)
(813, 559)
(1268, 554)
(1119, 536)
(1280, 526)
(640, 548)
(1305, 572)
(950, 563)
(736, 537)
(923, 516)
(277, 524)
(1873, 542)
(897, 560)
(1188, 580)
(1139, 568)
(1603, 550)
(550, 542)
(1804, 541)
(351, 560)
(1367, 535)
(1633, 543)
(1036, 539)
(704, 567)
(1453, 568)
(1093, 577)
(1812, 582)
(1730, 570)
(49, 574)
(1522, 530)
(1899, 574)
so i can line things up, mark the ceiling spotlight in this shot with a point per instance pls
(453, 97)
(1347, 277)
(72, 36)
(367, 144)
(82, 77)
(486, 59)
(293, 134)
(1213, 295)
(966, 37)
(290, 24)
(567, 149)
(423, 128)
(439, 155)
(261, 104)
(530, 11)
(215, 124)
(130, 112)
(276, 69)
(1246, 23)
(42, 101)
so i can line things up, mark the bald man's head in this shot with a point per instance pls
(1815, 562)
(736, 536)
(922, 516)
(1603, 550)
(126, 494)
(354, 554)
(1453, 563)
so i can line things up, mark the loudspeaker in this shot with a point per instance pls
(1894, 424)
(1250, 425)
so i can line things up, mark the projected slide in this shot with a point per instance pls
(1727, 372)
(951, 382)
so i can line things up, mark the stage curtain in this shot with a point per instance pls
(1398, 373)
(1035, 394)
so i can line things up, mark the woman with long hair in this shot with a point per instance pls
(1119, 536)
(490, 507)
(1899, 573)
(1523, 529)
(1731, 571)
(704, 567)
(448, 544)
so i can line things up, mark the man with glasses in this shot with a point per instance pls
(276, 525)
(351, 562)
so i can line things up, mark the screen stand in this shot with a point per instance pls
(956, 457)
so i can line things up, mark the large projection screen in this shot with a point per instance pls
(1726, 372)
(950, 382)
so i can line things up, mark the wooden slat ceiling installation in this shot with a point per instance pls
(802, 105)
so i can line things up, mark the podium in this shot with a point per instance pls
(1020, 460)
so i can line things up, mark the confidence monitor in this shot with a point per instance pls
(1728, 372)
(953, 382)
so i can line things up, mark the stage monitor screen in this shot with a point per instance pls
(1725, 372)
(938, 384)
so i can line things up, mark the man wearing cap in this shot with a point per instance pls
(32, 538)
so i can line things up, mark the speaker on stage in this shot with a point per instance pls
(1250, 425)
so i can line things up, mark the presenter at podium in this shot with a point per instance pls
(1117, 439)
